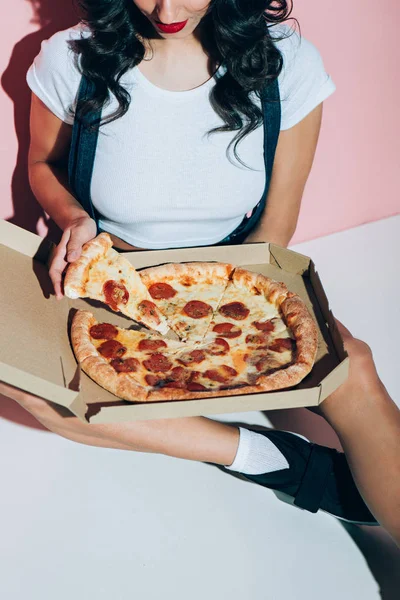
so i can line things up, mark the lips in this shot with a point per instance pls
(172, 27)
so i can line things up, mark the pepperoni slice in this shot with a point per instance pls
(195, 356)
(232, 372)
(103, 331)
(257, 340)
(151, 345)
(282, 344)
(197, 309)
(234, 310)
(153, 380)
(194, 375)
(161, 291)
(180, 374)
(115, 293)
(218, 347)
(149, 310)
(112, 349)
(157, 362)
(266, 326)
(227, 330)
(222, 375)
(196, 387)
(128, 365)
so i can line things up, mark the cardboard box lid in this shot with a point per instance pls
(35, 355)
(45, 365)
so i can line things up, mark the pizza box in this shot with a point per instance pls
(36, 353)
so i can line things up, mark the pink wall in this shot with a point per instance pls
(354, 175)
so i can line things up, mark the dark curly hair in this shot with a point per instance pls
(234, 33)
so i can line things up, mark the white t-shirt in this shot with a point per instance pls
(158, 180)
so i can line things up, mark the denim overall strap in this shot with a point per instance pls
(271, 109)
(82, 152)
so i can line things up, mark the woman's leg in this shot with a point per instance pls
(367, 422)
(193, 438)
(361, 412)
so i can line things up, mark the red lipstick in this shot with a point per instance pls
(172, 27)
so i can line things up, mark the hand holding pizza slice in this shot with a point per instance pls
(101, 273)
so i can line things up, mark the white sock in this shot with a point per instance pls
(256, 454)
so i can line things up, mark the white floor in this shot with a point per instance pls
(83, 523)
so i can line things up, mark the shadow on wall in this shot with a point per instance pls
(49, 16)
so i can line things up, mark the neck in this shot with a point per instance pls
(175, 49)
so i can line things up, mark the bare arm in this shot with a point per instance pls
(293, 161)
(47, 167)
(47, 164)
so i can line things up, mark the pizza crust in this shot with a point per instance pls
(205, 272)
(119, 384)
(78, 271)
(97, 367)
(301, 323)
(296, 316)
(274, 291)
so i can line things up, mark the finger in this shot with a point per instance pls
(78, 237)
(344, 332)
(56, 272)
(58, 264)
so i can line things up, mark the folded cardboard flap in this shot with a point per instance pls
(35, 352)
(327, 313)
(25, 242)
(38, 386)
(103, 413)
(289, 261)
(334, 379)
(255, 254)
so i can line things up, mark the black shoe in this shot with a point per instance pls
(318, 478)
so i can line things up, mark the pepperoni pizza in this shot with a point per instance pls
(239, 332)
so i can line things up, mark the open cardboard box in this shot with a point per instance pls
(36, 354)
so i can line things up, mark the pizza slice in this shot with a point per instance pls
(187, 294)
(251, 317)
(101, 273)
(244, 306)
(123, 361)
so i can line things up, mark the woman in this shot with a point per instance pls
(159, 180)
(178, 69)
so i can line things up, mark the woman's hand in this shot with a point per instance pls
(78, 232)
(62, 422)
(362, 385)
